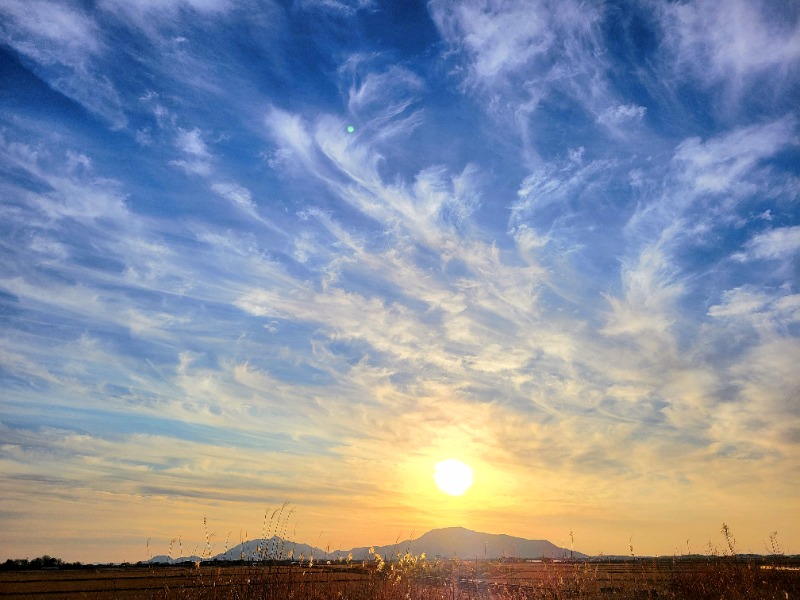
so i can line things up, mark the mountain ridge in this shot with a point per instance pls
(460, 542)
(446, 542)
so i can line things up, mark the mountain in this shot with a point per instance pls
(272, 548)
(464, 543)
(449, 542)
(164, 559)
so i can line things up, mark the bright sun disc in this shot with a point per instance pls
(453, 477)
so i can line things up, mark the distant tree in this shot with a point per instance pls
(46, 561)
(13, 564)
(42, 562)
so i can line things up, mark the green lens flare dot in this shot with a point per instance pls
(350, 129)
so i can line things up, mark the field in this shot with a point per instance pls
(410, 578)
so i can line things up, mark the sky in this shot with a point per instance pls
(256, 252)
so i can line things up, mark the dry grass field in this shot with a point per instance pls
(409, 578)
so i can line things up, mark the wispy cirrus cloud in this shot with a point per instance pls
(346, 7)
(198, 158)
(66, 44)
(51, 32)
(716, 165)
(522, 58)
(732, 44)
(621, 113)
(777, 243)
(237, 194)
(145, 12)
(500, 39)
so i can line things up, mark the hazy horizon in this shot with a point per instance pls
(176, 549)
(257, 252)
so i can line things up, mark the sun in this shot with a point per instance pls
(453, 477)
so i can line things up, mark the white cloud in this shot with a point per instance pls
(381, 97)
(50, 32)
(707, 183)
(519, 53)
(740, 302)
(500, 38)
(770, 312)
(559, 183)
(428, 210)
(78, 162)
(763, 416)
(67, 44)
(142, 10)
(235, 193)
(191, 142)
(198, 158)
(291, 133)
(387, 328)
(75, 191)
(774, 244)
(193, 167)
(731, 42)
(616, 115)
(347, 7)
(717, 164)
(649, 305)
(576, 154)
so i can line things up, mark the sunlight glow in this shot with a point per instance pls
(453, 477)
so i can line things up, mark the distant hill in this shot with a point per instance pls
(449, 542)
(464, 543)
(272, 548)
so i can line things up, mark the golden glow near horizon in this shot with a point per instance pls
(453, 477)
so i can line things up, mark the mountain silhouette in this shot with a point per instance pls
(274, 548)
(464, 543)
(449, 542)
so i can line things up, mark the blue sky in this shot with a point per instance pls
(560, 244)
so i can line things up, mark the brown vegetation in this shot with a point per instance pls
(414, 578)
